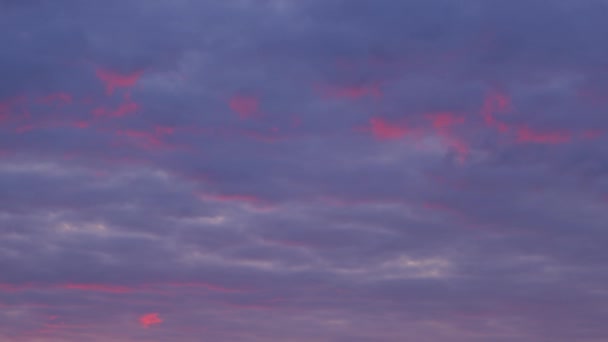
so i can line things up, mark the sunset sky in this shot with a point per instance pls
(303, 171)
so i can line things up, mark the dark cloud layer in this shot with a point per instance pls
(284, 170)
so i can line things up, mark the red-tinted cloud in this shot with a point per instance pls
(127, 107)
(527, 135)
(496, 102)
(114, 80)
(150, 140)
(384, 130)
(461, 148)
(81, 124)
(443, 123)
(245, 106)
(149, 320)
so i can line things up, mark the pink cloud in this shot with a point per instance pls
(114, 80)
(496, 102)
(461, 148)
(383, 130)
(592, 134)
(150, 319)
(351, 92)
(443, 122)
(127, 107)
(80, 124)
(154, 139)
(244, 106)
(527, 135)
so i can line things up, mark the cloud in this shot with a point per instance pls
(150, 319)
(303, 170)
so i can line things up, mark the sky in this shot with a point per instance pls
(303, 170)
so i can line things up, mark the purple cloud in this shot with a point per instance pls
(303, 170)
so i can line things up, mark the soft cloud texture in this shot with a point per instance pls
(281, 170)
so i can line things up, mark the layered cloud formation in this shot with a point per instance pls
(318, 170)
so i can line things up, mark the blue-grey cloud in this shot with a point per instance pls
(305, 171)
